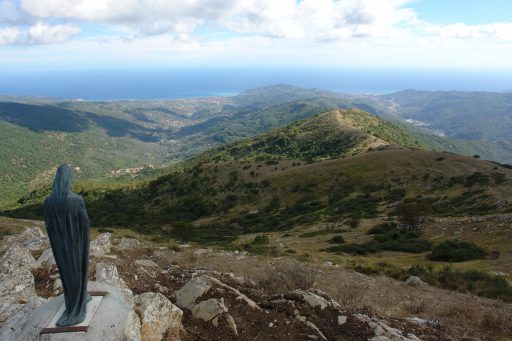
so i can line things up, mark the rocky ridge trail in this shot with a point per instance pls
(171, 302)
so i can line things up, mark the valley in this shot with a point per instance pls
(283, 174)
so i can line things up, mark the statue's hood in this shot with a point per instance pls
(62, 183)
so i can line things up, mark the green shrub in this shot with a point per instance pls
(401, 241)
(476, 282)
(337, 240)
(381, 228)
(261, 240)
(183, 230)
(456, 251)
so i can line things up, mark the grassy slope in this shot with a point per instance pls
(331, 134)
(29, 158)
(291, 192)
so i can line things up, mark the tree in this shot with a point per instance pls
(411, 215)
(183, 230)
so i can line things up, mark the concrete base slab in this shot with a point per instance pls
(92, 306)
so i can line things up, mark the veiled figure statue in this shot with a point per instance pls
(67, 224)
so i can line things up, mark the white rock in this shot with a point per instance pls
(231, 324)
(127, 244)
(157, 315)
(31, 238)
(162, 289)
(200, 252)
(209, 309)
(57, 286)
(317, 298)
(8, 309)
(147, 263)
(192, 290)
(132, 329)
(414, 281)
(16, 258)
(101, 245)
(46, 259)
(17, 287)
(342, 320)
(107, 273)
(20, 311)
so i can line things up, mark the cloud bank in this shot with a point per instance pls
(383, 30)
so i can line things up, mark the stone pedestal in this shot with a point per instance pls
(109, 317)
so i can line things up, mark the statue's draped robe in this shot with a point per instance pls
(68, 230)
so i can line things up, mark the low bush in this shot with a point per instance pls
(337, 240)
(382, 228)
(456, 251)
(401, 241)
(261, 240)
(183, 230)
(477, 282)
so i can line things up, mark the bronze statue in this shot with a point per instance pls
(67, 224)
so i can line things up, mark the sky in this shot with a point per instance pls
(366, 34)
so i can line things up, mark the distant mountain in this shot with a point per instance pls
(104, 136)
(100, 137)
(462, 115)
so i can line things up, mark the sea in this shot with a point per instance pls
(172, 83)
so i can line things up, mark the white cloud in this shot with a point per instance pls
(312, 19)
(353, 32)
(42, 33)
(9, 35)
(498, 31)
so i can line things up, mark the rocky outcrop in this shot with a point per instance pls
(158, 316)
(208, 304)
(383, 332)
(107, 273)
(16, 280)
(46, 259)
(317, 298)
(122, 244)
(101, 245)
(194, 297)
(32, 239)
(414, 281)
(16, 258)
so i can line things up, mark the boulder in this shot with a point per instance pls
(17, 287)
(192, 290)
(414, 281)
(316, 298)
(157, 316)
(32, 239)
(383, 332)
(101, 245)
(209, 309)
(124, 243)
(15, 316)
(132, 329)
(46, 259)
(16, 258)
(8, 309)
(107, 273)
